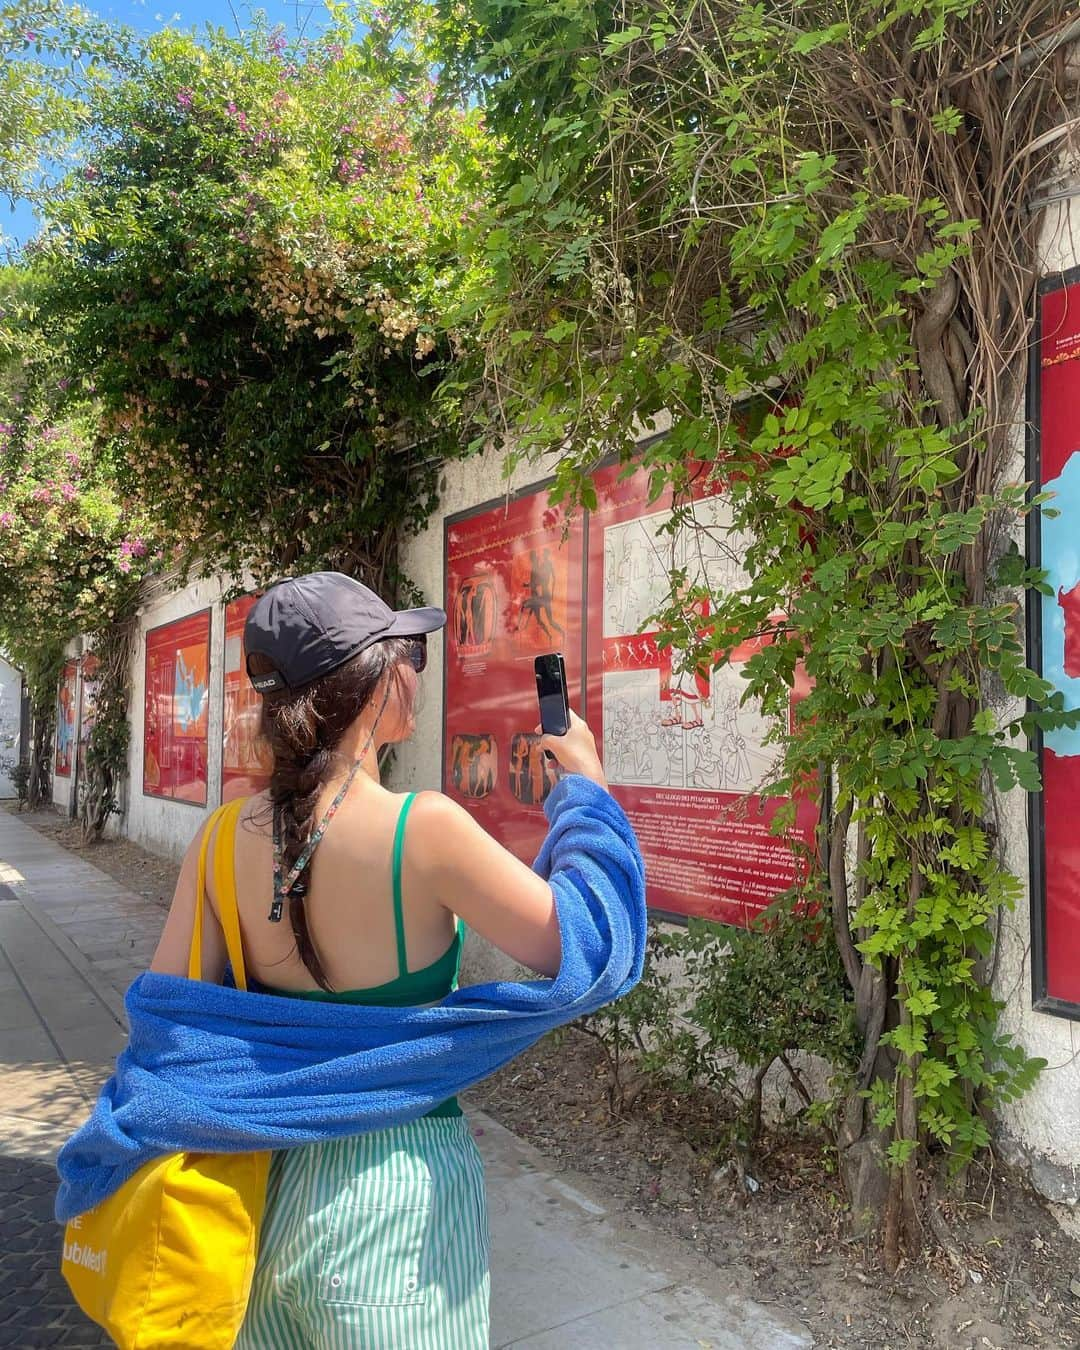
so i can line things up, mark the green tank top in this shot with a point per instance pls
(411, 988)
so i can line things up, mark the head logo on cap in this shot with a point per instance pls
(266, 684)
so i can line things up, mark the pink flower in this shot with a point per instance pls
(399, 99)
(30, 36)
(6, 519)
(67, 491)
(41, 494)
(72, 458)
(335, 51)
(124, 566)
(183, 98)
(230, 108)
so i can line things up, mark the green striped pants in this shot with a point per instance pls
(375, 1242)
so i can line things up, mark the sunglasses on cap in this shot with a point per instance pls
(418, 653)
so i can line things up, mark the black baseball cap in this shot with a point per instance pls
(308, 626)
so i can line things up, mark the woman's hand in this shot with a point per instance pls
(576, 750)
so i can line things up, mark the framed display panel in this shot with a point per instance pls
(513, 589)
(176, 709)
(1054, 641)
(245, 757)
(67, 707)
(682, 756)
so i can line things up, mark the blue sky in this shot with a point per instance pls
(298, 16)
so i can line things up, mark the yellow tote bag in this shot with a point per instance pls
(168, 1259)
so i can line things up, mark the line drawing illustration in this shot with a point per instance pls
(725, 753)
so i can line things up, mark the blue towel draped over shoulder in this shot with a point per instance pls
(211, 1069)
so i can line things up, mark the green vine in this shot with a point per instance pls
(41, 666)
(105, 762)
(787, 235)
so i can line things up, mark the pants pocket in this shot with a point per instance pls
(379, 1244)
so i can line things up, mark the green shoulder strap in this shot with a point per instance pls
(399, 915)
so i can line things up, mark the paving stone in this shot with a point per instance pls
(36, 1308)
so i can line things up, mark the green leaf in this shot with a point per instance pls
(822, 37)
(899, 1151)
(615, 42)
(920, 1004)
(909, 1039)
(558, 332)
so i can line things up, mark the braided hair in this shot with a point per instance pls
(304, 729)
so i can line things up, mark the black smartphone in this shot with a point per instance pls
(551, 691)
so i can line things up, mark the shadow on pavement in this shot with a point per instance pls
(36, 1308)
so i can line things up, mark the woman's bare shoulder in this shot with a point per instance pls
(433, 811)
(257, 813)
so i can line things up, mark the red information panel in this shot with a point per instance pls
(683, 757)
(245, 759)
(65, 719)
(1055, 394)
(177, 709)
(513, 590)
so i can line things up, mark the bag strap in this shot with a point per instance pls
(221, 827)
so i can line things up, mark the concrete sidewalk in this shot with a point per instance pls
(567, 1271)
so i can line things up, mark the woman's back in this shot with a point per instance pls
(350, 903)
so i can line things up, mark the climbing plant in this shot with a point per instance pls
(105, 758)
(232, 323)
(803, 240)
(41, 666)
(252, 270)
(72, 551)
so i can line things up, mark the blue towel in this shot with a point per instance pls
(211, 1069)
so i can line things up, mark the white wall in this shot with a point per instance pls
(10, 724)
(1043, 1127)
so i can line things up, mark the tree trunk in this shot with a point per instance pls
(98, 801)
(39, 787)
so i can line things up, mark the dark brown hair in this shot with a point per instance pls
(303, 729)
